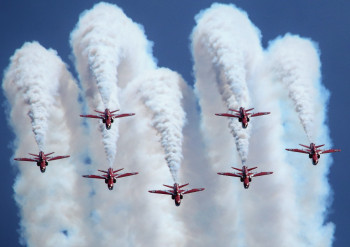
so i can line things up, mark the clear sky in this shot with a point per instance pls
(168, 24)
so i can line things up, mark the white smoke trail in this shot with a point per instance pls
(141, 150)
(50, 206)
(295, 209)
(300, 71)
(225, 45)
(161, 93)
(100, 43)
(29, 74)
(296, 65)
(232, 52)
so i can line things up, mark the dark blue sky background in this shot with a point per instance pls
(168, 24)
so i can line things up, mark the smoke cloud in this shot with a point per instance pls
(116, 69)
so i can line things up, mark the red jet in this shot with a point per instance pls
(313, 151)
(107, 116)
(111, 176)
(176, 192)
(242, 115)
(245, 175)
(42, 160)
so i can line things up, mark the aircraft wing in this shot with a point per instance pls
(58, 157)
(298, 150)
(330, 151)
(192, 190)
(261, 174)
(226, 115)
(94, 176)
(126, 174)
(26, 159)
(165, 192)
(123, 115)
(230, 174)
(259, 114)
(91, 116)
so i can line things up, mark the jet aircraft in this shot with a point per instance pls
(313, 151)
(245, 175)
(242, 115)
(42, 160)
(110, 176)
(107, 116)
(176, 192)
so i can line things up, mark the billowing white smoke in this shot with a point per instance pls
(232, 53)
(296, 64)
(140, 149)
(29, 73)
(50, 206)
(294, 212)
(161, 93)
(104, 43)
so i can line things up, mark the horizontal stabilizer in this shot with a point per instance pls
(102, 171)
(183, 185)
(99, 111)
(34, 155)
(118, 170)
(320, 146)
(252, 168)
(234, 110)
(236, 168)
(168, 186)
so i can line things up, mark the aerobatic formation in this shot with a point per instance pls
(116, 68)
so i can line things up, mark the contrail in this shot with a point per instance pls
(231, 51)
(161, 93)
(50, 206)
(296, 65)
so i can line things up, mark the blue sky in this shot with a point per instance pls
(168, 24)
